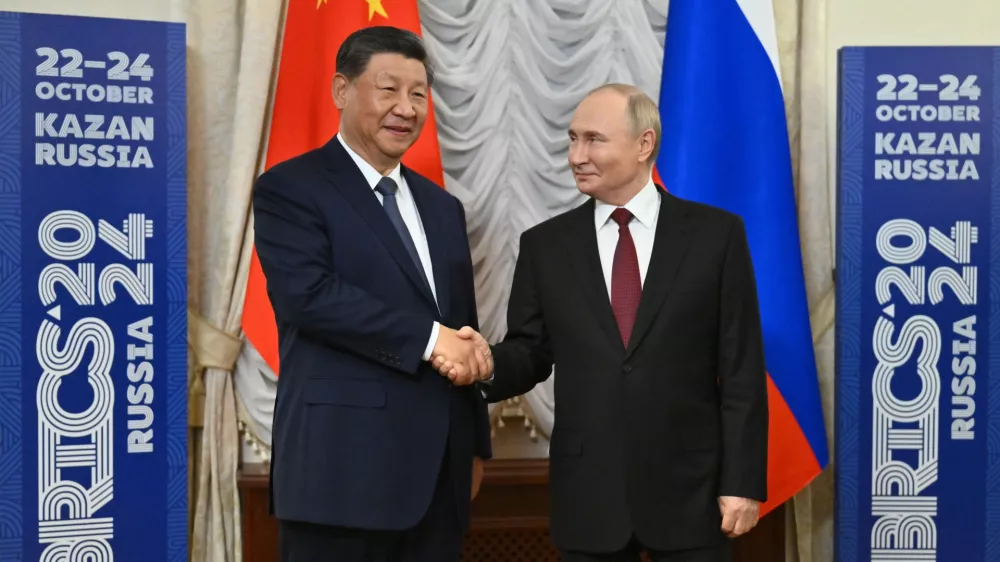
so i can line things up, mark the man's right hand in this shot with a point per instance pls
(467, 362)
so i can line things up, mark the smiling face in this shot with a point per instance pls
(383, 110)
(610, 161)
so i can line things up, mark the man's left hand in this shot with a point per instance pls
(739, 515)
(477, 475)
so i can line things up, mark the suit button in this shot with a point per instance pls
(626, 368)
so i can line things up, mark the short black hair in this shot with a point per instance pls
(358, 49)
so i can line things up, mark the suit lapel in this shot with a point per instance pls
(437, 239)
(587, 260)
(351, 183)
(670, 245)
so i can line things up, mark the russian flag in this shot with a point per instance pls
(725, 143)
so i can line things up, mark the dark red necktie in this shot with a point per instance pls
(626, 284)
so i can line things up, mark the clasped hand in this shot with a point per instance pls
(463, 356)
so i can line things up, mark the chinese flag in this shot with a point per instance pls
(304, 117)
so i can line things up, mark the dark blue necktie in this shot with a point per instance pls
(387, 187)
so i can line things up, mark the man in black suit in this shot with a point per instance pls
(646, 304)
(375, 456)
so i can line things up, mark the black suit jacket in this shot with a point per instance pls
(645, 438)
(360, 421)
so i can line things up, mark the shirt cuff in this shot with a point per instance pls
(435, 330)
(486, 382)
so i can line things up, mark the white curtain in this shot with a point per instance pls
(510, 74)
(801, 29)
(231, 55)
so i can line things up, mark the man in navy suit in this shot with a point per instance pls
(375, 456)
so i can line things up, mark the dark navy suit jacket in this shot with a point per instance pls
(361, 423)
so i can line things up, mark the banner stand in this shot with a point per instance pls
(918, 298)
(93, 289)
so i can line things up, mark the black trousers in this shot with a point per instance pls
(631, 553)
(436, 538)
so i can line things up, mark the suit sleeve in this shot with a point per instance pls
(742, 375)
(306, 292)
(524, 357)
(481, 413)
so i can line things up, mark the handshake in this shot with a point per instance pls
(463, 356)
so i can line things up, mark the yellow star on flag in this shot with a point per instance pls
(375, 7)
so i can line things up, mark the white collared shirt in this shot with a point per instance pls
(645, 207)
(408, 210)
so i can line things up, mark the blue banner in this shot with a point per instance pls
(93, 357)
(918, 298)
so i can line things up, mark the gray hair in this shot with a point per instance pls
(642, 112)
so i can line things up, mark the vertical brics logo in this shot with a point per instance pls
(84, 438)
(907, 427)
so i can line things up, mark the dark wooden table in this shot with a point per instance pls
(510, 519)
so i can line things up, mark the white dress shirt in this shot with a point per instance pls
(645, 207)
(408, 210)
